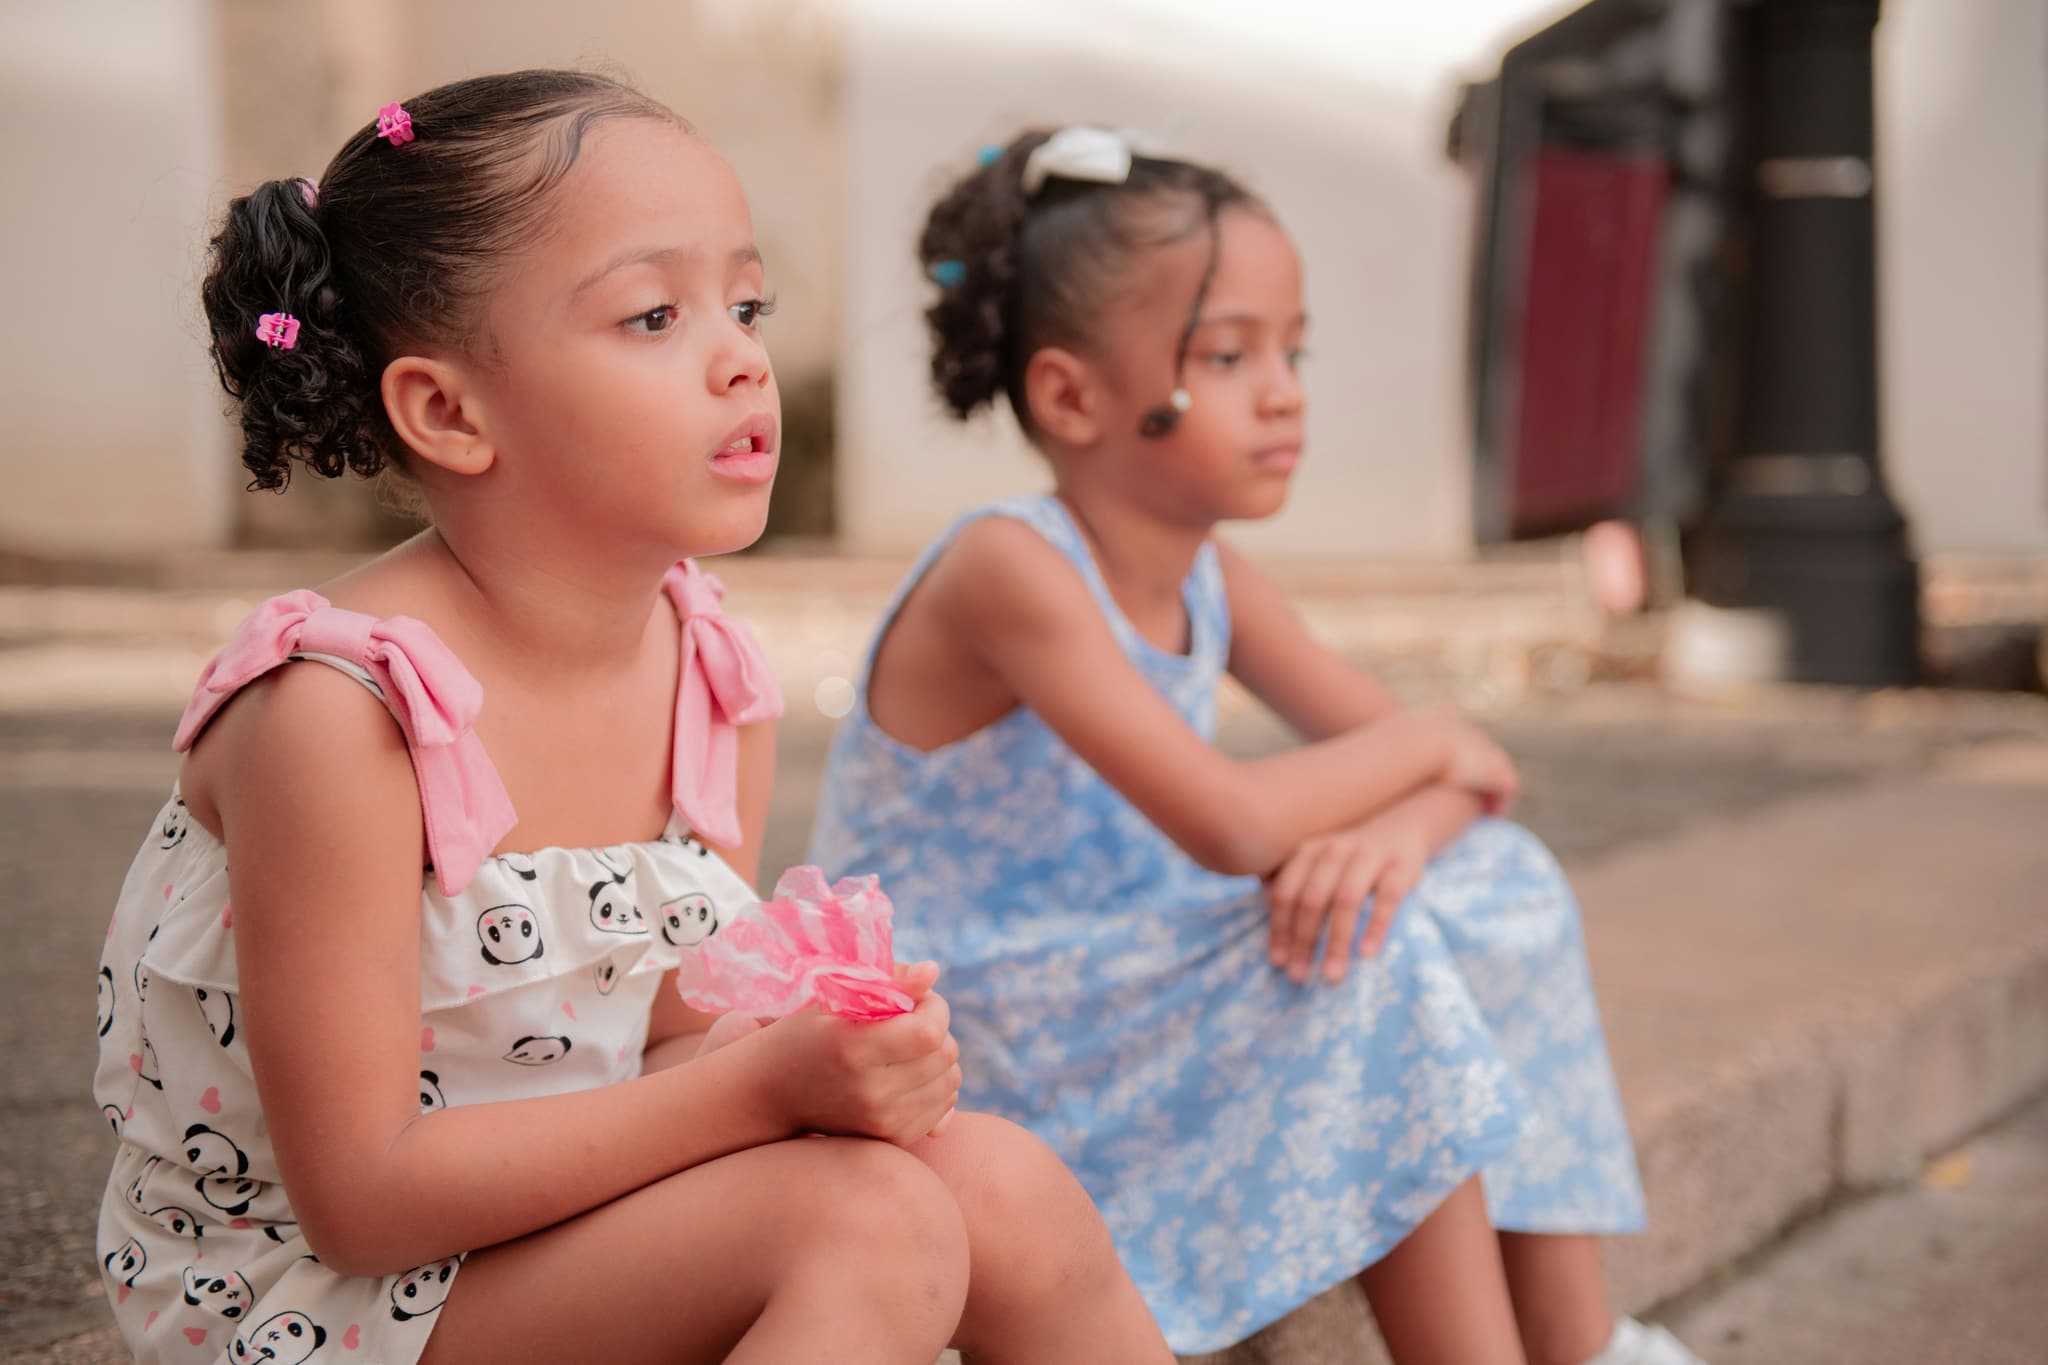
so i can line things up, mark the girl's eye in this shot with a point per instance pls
(1296, 356)
(750, 313)
(656, 320)
(1224, 360)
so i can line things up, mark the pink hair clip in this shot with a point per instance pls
(278, 331)
(394, 125)
(310, 192)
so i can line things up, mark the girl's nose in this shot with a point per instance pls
(1282, 394)
(742, 363)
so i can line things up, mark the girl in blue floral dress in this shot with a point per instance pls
(1291, 1020)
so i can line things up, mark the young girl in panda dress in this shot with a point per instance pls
(385, 1028)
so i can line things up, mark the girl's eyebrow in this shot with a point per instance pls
(661, 255)
(1246, 320)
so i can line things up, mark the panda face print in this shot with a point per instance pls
(430, 1093)
(419, 1292)
(211, 1153)
(137, 1200)
(286, 1339)
(230, 1194)
(688, 841)
(509, 934)
(126, 1261)
(114, 1117)
(218, 1007)
(176, 1221)
(227, 1296)
(607, 974)
(532, 1051)
(142, 976)
(612, 909)
(148, 1069)
(177, 824)
(688, 920)
(106, 1000)
(520, 866)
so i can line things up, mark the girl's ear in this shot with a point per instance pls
(437, 414)
(1066, 397)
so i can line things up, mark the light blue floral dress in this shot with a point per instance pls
(1250, 1141)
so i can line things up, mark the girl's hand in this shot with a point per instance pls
(915, 978)
(730, 1028)
(1327, 882)
(1478, 765)
(896, 1079)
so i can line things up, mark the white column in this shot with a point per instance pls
(114, 444)
(1962, 99)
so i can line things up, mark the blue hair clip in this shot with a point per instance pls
(947, 274)
(989, 155)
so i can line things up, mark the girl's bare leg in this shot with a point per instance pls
(1440, 1297)
(814, 1249)
(1560, 1292)
(1044, 1284)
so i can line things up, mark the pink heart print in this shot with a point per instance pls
(210, 1101)
(426, 1040)
(196, 1335)
(811, 944)
(353, 1337)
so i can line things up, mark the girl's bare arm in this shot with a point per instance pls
(1024, 612)
(323, 819)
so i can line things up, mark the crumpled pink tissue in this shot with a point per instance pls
(810, 944)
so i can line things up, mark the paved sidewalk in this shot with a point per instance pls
(1948, 1268)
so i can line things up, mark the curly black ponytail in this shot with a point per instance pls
(396, 248)
(969, 246)
(1019, 271)
(315, 402)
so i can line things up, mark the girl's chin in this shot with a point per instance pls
(1258, 503)
(740, 524)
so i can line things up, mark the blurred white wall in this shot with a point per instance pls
(133, 121)
(113, 440)
(1334, 114)
(1963, 249)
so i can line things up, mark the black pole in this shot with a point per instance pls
(1801, 523)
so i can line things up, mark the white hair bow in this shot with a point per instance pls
(1079, 152)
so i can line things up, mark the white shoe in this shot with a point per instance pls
(1635, 1344)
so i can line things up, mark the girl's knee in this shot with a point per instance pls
(884, 1220)
(867, 1190)
(1014, 1193)
(1517, 841)
(999, 1172)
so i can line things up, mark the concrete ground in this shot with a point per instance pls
(1815, 920)
(1949, 1268)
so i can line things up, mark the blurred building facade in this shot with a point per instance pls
(844, 119)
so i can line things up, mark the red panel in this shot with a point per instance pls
(1592, 250)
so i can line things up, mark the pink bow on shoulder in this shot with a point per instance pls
(433, 697)
(724, 684)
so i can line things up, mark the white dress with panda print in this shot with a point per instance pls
(537, 975)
